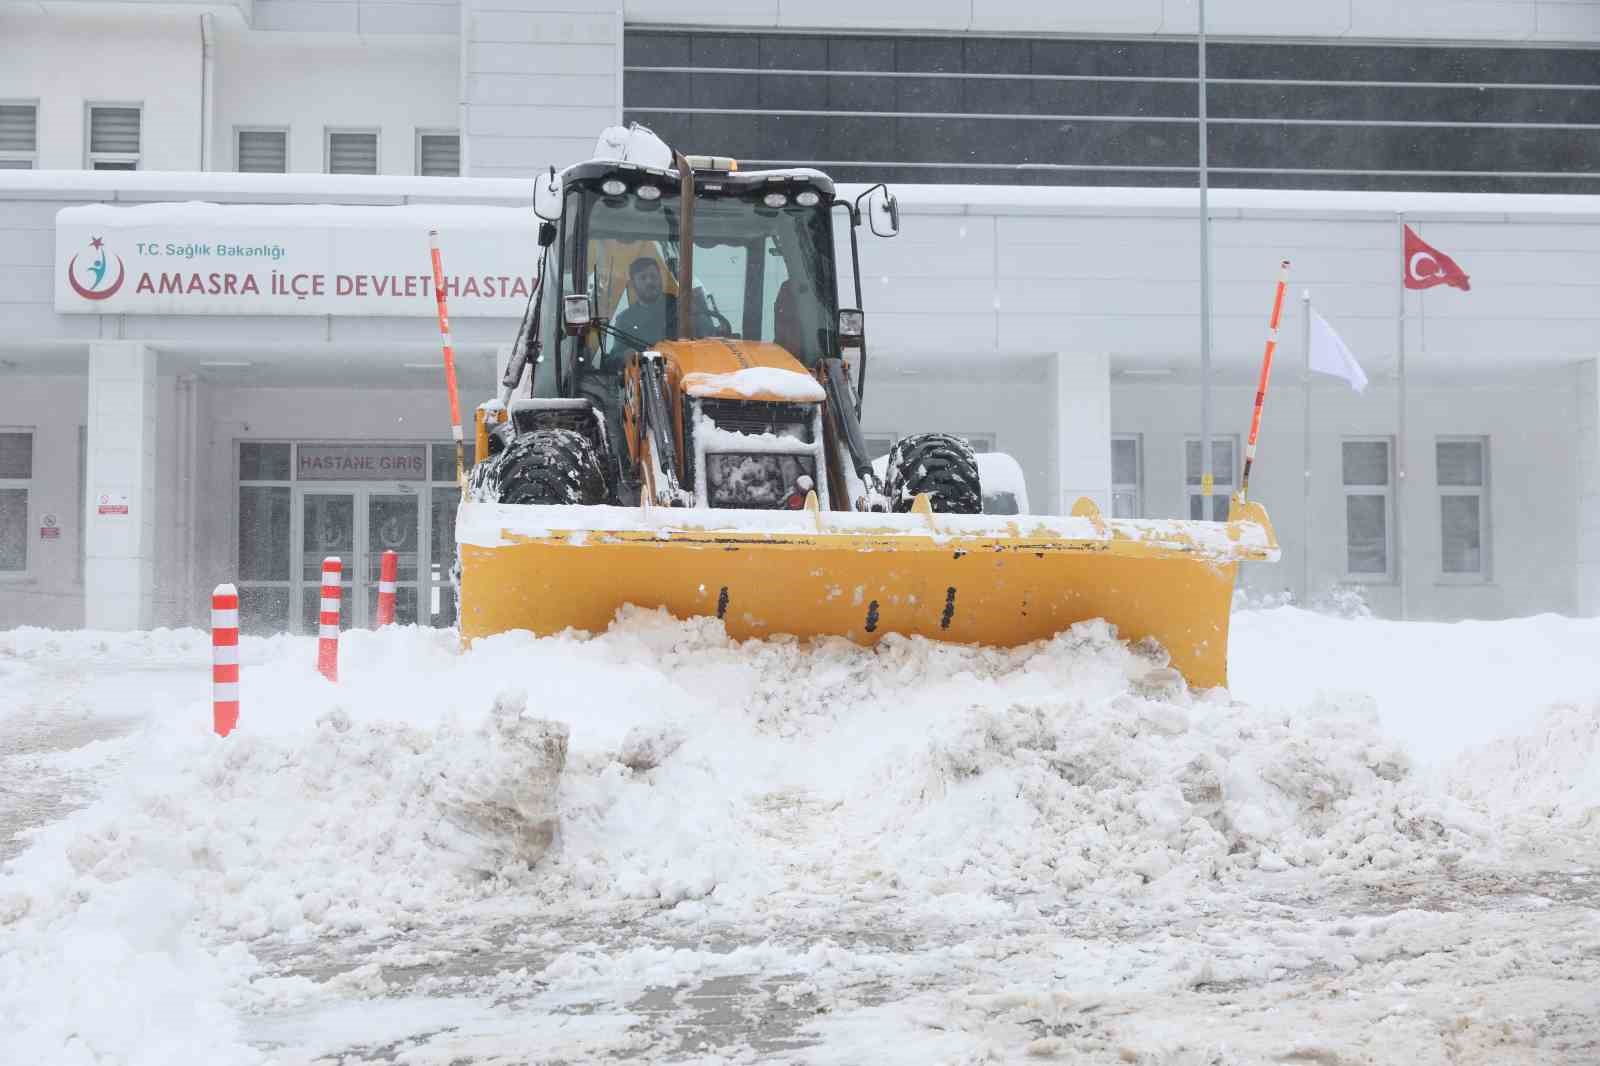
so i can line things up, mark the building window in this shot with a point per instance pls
(265, 541)
(1127, 468)
(1463, 465)
(16, 478)
(114, 137)
(1097, 111)
(19, 136)
(1368, 508)
(262, 151)
(438, 154)
(1223, 453)
(352, 152)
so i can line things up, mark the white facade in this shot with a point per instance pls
(1057, 324)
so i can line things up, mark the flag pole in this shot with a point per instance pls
(1207, 472)
(1305, 510)
(1266, 375)
(1400, 436)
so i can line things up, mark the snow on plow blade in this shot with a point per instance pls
(982, 579)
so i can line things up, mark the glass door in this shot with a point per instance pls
(327, 527)
(394, 523)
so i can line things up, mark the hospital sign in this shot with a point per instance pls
(245, 259)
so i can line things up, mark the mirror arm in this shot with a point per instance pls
(855, 270)
(524, 353)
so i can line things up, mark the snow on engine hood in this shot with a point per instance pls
(721, 367)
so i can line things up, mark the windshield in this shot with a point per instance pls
(760, 273)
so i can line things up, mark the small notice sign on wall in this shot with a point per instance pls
(113, 503)
(49, 528)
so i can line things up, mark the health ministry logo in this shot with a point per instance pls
(95, 273)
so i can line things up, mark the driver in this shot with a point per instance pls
(649, 314)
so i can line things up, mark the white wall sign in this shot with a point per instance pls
(112, 503)
(254, 259)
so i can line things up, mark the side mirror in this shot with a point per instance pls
(852, 327)
(547, 196)
(577, 312)
(547, 234)
(883, 212)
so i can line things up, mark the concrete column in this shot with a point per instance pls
(540, 80)
(1589, 489)
(1082, 393)
(120, 519)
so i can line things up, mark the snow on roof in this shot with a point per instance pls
(303, 216)
(143, 186)
(1084, 198)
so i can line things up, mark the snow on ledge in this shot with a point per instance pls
(493, 525)
(756, 382)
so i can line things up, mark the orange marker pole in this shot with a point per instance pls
(1266, 374)
(224, 659)
(388, 575)
(449, 361)
(328, 619)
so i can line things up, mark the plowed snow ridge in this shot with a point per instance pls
(947, 782)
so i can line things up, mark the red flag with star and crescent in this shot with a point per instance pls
(1426, 266)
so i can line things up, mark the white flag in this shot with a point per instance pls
(1330, 356)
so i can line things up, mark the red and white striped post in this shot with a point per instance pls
(224, 659)
(328, 620)
(1266, 376)
(387, 576)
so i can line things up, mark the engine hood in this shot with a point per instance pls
(726, 368)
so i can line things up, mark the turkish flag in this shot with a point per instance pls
(1426, 266)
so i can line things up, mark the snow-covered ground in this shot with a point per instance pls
(1380, 847)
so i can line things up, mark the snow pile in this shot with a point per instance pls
(769, 786)
(1439, 688)
(1547, 779)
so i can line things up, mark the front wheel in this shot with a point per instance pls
(548, 466)
(939, 464)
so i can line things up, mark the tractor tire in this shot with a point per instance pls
(549, 466)
(938, 464)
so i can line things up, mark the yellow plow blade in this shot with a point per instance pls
(981, 579)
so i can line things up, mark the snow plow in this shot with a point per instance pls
(678, 427)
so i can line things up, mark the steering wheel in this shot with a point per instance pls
(705, 310)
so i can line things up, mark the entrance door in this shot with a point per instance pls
(394, 523)
(358, 523)
(327, 527)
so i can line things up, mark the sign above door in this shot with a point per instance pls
(362, 462)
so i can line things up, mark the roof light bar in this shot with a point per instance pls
(713, 162)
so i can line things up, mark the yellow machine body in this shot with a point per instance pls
(984, 579)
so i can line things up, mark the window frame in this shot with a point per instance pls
(1484, 574)
(416, 149)
(90, 156)
(13, 155)
(377, 148)
(1390, 575)
(237, 151)
(1137, 487)
(26, 485)
(1191, 489)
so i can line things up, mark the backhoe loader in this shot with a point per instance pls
(679, 426)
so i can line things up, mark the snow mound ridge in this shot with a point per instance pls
(925, 771)
(1548, 778)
